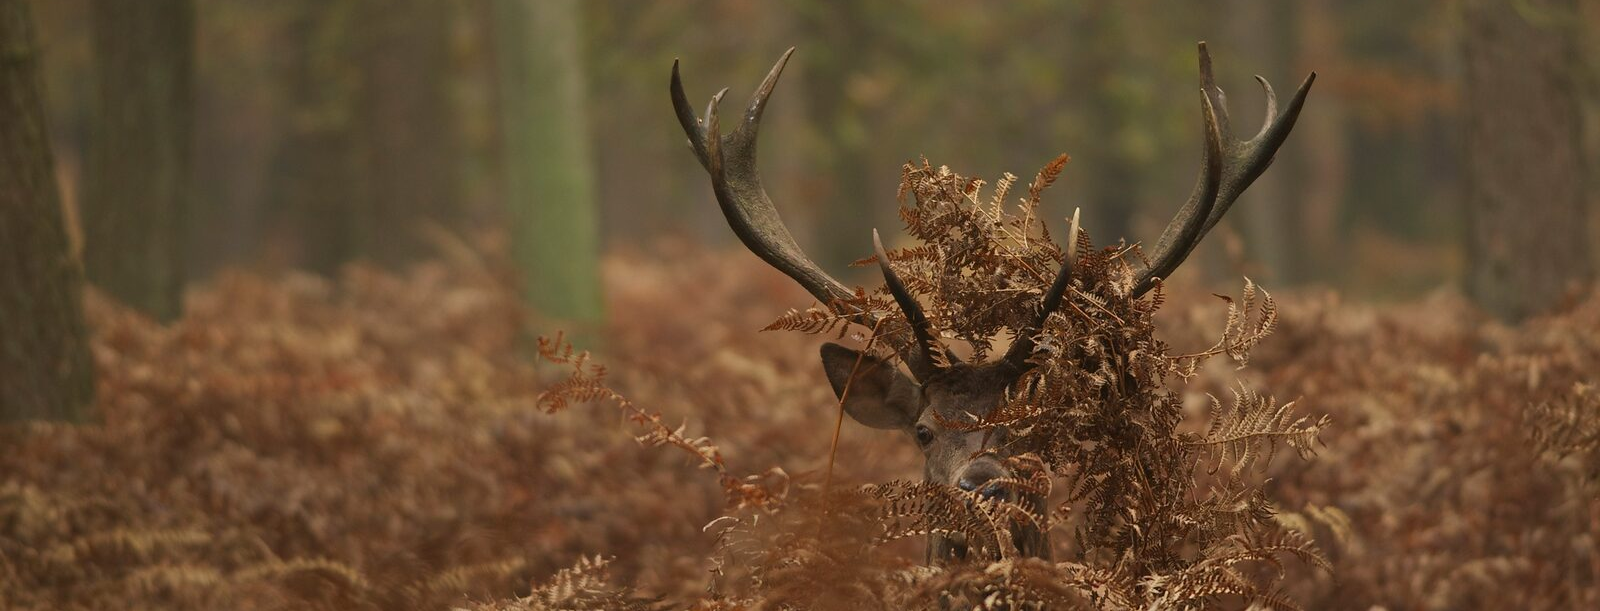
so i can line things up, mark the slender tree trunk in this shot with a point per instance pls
(842, 161)
(312, 199)
(1110, 173)
(1254, 27)
(139, 163)
(550, 190)
(1527, 218)
(406, 127)
(45, 369)
(1324, 150)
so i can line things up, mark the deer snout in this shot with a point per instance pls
(984, 476)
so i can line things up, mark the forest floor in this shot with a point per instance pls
(379, 442)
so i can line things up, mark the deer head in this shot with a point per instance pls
(939, 388)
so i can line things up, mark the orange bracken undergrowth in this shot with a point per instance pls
(379, 442)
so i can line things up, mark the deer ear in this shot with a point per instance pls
(880, 396)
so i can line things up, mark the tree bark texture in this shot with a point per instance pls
(1527, 218)
(406, 127)
(1266, 206)
(45, 368)
(313, 204)
(139, 178)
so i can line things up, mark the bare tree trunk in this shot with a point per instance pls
(1527, 217)
(1324, 151)
(139, 179)
(1265, 207)
(45, 369)
(550, 192)
(312, 202)
(406, 127)
(1108, 169)
(841, 160)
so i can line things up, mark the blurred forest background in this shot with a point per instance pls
(308, 133)
(313, 232)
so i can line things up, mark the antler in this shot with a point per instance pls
(914, 316)
(1230, 165)
(1022, 347)
(731, 161)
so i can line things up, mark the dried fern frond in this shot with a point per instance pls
(1241, 333)
(1569, 426)
(1248, 323)
(584, 586)
(811, 320)
(491, 577)
(927, 508)
(586, 383)
(1023, 583)
(1253, 423)
(1219, 576)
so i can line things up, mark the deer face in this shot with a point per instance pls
(882, 397)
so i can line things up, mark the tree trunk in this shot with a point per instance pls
(1527, 219)
(139, 179)
(550, 191)
(45, 369)
(1258, 38)
(312, 199)
(406, 126)
(843, 165)
(1110, 173)
(1324, 151)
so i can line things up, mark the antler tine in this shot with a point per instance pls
(1213, 93)
(1272, 106)
(1230, 165)
(1186, 229)
(919, 361)
(730, 159)
(1022, 347)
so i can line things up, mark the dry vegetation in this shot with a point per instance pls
(399, 442)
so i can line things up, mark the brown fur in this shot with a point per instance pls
(881, 396)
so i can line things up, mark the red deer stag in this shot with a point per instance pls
(941, 389)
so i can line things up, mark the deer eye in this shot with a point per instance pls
(924, 435)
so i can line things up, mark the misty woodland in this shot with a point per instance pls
(394, 305)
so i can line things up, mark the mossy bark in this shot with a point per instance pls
(551, 183)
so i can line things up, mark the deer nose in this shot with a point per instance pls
(988, 489)
(984, 478)
(995, 491)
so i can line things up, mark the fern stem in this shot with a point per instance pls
(838, 423)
